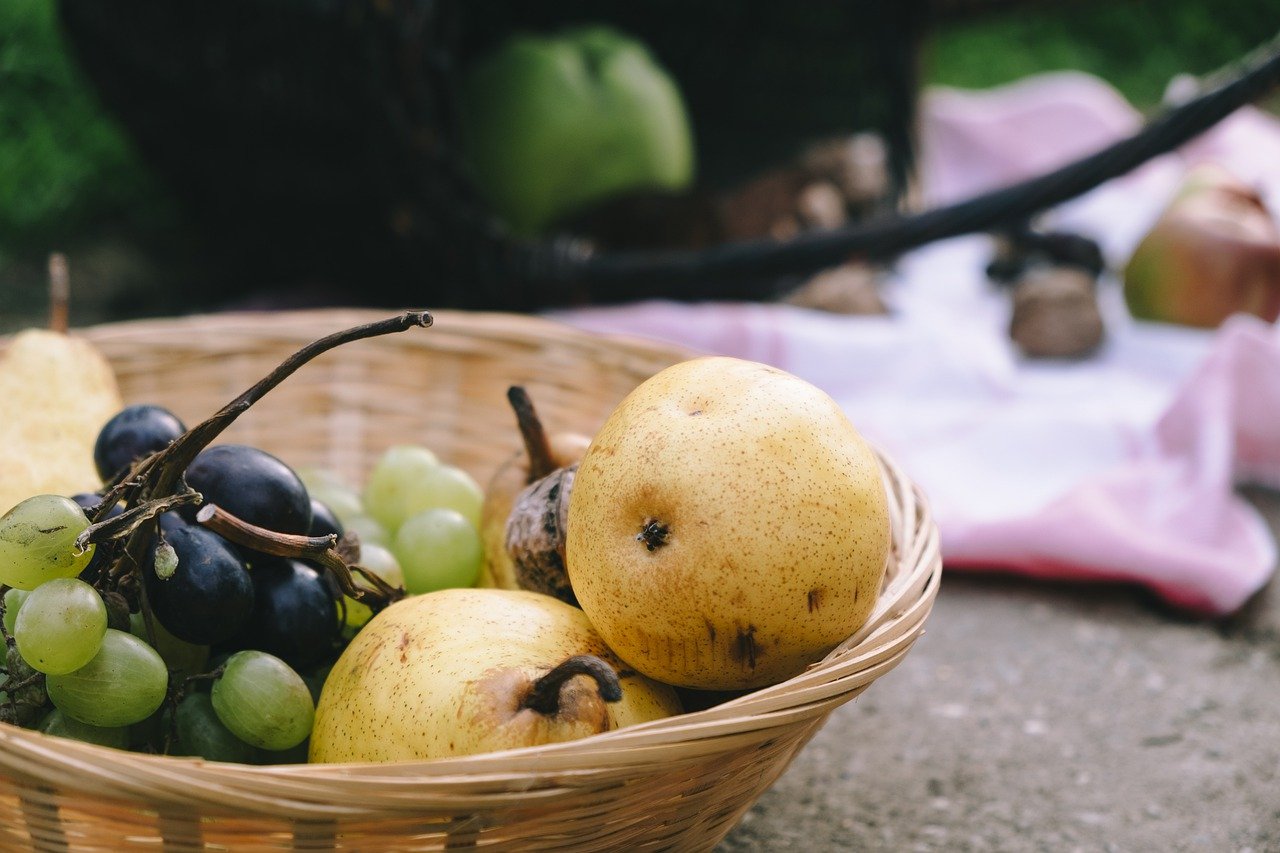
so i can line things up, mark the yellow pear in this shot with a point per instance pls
(56, 392)
(464, 671)
(727, 527)
(542, 453)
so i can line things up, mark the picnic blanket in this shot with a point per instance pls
(1119, 467)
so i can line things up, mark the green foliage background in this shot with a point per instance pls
(67, 170)
(64, 164)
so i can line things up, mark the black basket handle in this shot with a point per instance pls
(760, 269)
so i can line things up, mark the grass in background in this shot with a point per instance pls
(64, 164)
(1136, 45)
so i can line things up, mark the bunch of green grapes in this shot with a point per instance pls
(417, 520)
(68, 672)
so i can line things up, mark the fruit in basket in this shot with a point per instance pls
(252, 485)
(209, 596)
(37, 541)
(201, 733)
(464, 671)
(59, 724)
(263, 701)
(60, 626)
(132, 433)
(1213, 252)
(438, 549)
(536, 535)
(383, 563)
(151, 566)
(55, 392)
(124, 683)
(552, 123)
(295, 613)
(409, 479)
(728, 526)
(541, 454)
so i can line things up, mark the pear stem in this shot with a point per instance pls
(536, 444)
(544, 697)
(59, 293)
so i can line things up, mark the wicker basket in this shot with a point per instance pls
(679, 783)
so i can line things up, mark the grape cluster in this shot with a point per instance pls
(217, 650)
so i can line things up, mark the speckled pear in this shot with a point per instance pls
(452, 672)
(728, 526)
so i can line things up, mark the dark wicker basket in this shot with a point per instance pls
(314, 140)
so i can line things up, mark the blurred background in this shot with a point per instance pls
(73, 178)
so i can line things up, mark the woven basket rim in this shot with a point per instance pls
(304, 790)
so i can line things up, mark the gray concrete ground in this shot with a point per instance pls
(1047, 717)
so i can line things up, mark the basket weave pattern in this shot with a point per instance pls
(679, 783)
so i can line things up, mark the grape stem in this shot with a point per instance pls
(127, 521)
(322, 550)
(175, 697)
(157, 478)
(544, 697)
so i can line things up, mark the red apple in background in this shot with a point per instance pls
(1214, 251)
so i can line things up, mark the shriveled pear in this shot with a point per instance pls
(465, 671)
(56, 392)
(727, 527)
(542, 454)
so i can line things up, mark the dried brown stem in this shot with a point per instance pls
(321, 550)
(127, 521)
(536, 444)
(159, 475)
(545, 695)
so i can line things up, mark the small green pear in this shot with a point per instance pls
(465, 671)
(727, 527)
(56, 392)
(553, 123)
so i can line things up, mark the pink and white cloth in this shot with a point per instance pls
(1120, 467)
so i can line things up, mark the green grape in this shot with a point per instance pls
(438, 549)
(330, 489)
(13, 600)
(37, 541)
(394, 480)
(379, 560)
(263, 701)
(123, 684)
(60, 626)
(59, 724)
(201, 733)
(355, 616)
(384, 564)
(367, 529)
(181, 657)
(448, 488)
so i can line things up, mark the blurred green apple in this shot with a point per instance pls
(551, 124)
(1213, 252)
